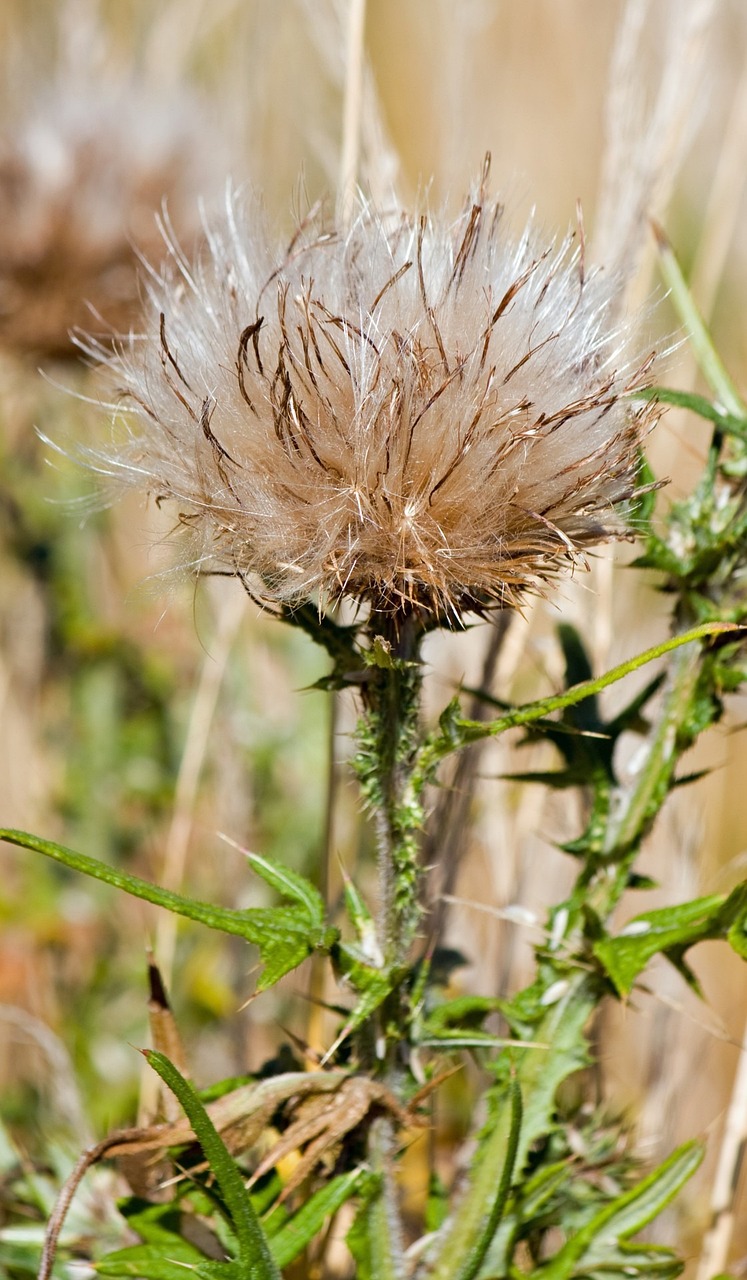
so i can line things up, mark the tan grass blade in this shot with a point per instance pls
(352, 104)
(645, 144)
(723, 1199)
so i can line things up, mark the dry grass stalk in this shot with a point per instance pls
(336, 31)
(230, 613)
(647, 133)
(716, 1244)
(352, 110)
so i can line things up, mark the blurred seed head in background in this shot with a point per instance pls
(93, 144)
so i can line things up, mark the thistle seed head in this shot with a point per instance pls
(406, 412)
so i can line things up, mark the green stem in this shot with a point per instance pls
(633, 809)
(385, 1229)
(664, 750)
(390, 740)
(705, 353)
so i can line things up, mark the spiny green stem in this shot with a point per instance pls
(389, 741)
(632, 810)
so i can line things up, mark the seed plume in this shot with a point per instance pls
(406, 412)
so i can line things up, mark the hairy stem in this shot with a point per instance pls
(389, 741)
(387, 1253)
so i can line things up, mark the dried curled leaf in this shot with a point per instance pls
(319, 1110)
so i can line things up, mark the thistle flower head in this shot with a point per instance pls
(408, 412)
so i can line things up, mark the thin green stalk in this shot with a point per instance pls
(455, 732)
(709, 361)
(665, 747)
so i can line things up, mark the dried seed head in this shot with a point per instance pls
(406, 412)
(89, 151)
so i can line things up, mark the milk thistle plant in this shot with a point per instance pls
(383, 428)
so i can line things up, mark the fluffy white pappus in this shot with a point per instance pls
(407, 412)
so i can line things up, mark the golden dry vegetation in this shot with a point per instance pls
(142, 715)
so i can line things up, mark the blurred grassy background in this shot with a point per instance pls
(141, 715)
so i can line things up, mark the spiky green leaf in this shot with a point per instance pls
(290, 885)
(285, 936)
(172, 1260)
(467, 1236)
(255, 1258)
(598, 1240)
(672, 931)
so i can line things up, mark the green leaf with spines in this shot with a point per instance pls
(729, 423)
(163, 1233)
(459, 1250)
(524, 1209)
(166, 1260)
(461, 1012)
(285, 936)
(457, 1023)
(585, 1251)
(290, 885)
(358, 913)
(255, 1258)
(372, 984)
(366, 953)
(559, 1047)
(672, 931)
